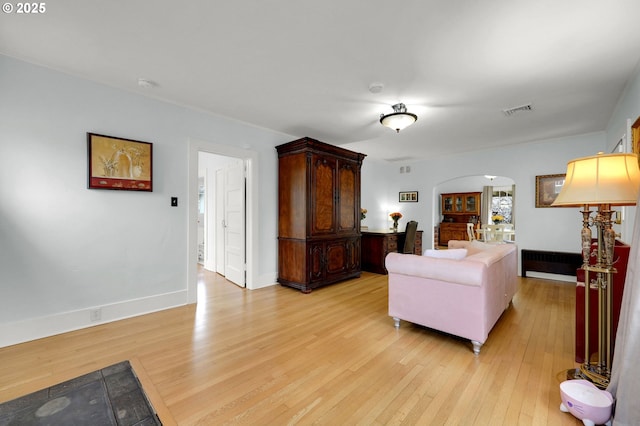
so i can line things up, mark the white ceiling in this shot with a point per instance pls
(303, 67)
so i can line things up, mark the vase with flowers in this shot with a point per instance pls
(497, 218)
(395, 216)
(363, 215)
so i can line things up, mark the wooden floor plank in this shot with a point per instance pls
(277, 356)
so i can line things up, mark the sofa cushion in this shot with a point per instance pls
(456, 244)
(449, 270)
(455, 254)
(476, 246)
(488, 257)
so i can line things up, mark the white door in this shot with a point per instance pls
(220, 221)
(202, 227)
(234, 224)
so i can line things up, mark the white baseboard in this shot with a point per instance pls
(555, 277)
(37, 328)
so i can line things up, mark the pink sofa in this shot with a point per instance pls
(461, 297)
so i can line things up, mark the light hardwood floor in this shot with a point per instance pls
(275, 356)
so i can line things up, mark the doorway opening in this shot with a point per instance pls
(249, 161)
(497, 195)
(222, 216)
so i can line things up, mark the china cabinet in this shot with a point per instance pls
(458, 209)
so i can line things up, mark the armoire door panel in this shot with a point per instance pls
(354, 255)
(348, 196)
(323, 185)
(317, 262)
(336, 253)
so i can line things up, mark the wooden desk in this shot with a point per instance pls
(375, 245)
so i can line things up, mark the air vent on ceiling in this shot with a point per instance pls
(523, 108)
(396, 159)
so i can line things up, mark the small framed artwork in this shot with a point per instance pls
(408, 197)
(117, 163)
(547, 189)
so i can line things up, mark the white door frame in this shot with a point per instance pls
(251, 161)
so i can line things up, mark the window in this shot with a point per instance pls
(502, 202)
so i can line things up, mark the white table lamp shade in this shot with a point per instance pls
(601, 179)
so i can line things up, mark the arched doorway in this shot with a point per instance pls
(497, 201)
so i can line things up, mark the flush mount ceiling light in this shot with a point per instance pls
(399, 119)
(376, 87)
(147, 84)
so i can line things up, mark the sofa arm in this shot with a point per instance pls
(454, 271)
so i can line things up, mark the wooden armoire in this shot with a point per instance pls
(319, 214)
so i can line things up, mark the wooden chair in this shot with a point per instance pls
(471, 231)
(410, 237)
(509, 232)
(494, 234)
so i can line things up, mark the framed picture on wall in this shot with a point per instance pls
(117, 163)
(635, 138)
(408, 197)
(547, 189)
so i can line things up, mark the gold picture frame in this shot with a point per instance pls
(118, 163)
(635, 138)
(547, 189)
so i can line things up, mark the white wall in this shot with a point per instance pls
(538, 228)
(377, 182)
(66, 250)
(626, 113)
(473, 183)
